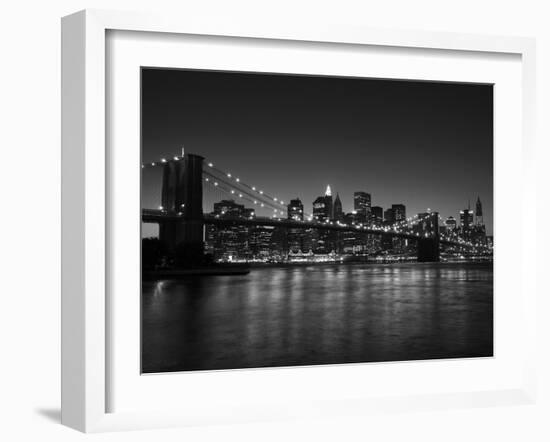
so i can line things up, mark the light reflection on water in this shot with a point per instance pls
(318, 315)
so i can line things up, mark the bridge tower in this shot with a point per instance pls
(428, 247)
(182, 197)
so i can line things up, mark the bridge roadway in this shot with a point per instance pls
(158, 216)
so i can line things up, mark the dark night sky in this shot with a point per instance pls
(423, 144)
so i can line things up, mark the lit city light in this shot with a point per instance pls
(467, 235)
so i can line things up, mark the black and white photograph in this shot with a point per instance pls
(299, 220)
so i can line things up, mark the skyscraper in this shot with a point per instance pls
(260, 242)
(466, 218)
(295, 210)
(295, 237)
(361, 205)
(322, 206)
(450, 223)
(389, 216)
(338, 214)
(399, 212)
(479, 213)
(322, 212)
(230, 242)
(377, 215)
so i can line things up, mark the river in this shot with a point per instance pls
(319, 314)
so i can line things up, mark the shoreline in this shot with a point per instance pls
(245, 268)
(355, 263)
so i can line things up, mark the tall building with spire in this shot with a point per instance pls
(338, 213)
(479, 213)
(322, 206)
(323, 212)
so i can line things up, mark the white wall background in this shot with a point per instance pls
(30, 220)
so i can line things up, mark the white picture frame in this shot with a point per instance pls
(86, 317)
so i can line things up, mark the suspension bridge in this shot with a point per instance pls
(181, 218)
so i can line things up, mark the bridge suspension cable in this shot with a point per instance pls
(239, 189)
(213, 181)
(254, 190)
(256, 193)
(231, 184)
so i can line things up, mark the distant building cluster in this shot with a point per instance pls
(234, 242)
(471, 226)
(268, 243)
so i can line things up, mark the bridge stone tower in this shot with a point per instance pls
(428, 247)
(182, 199)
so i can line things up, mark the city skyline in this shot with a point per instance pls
(479, 203)
(293, 222)
(338, 131)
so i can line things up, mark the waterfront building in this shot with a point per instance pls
(313, 257)
(386, 242)
(260, 242)
(295, 237)
(229, 243)
(309, 239)
(350, 240)
(278, 244)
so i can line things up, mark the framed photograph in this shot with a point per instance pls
(263, 222)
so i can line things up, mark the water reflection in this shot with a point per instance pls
(318, 315)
